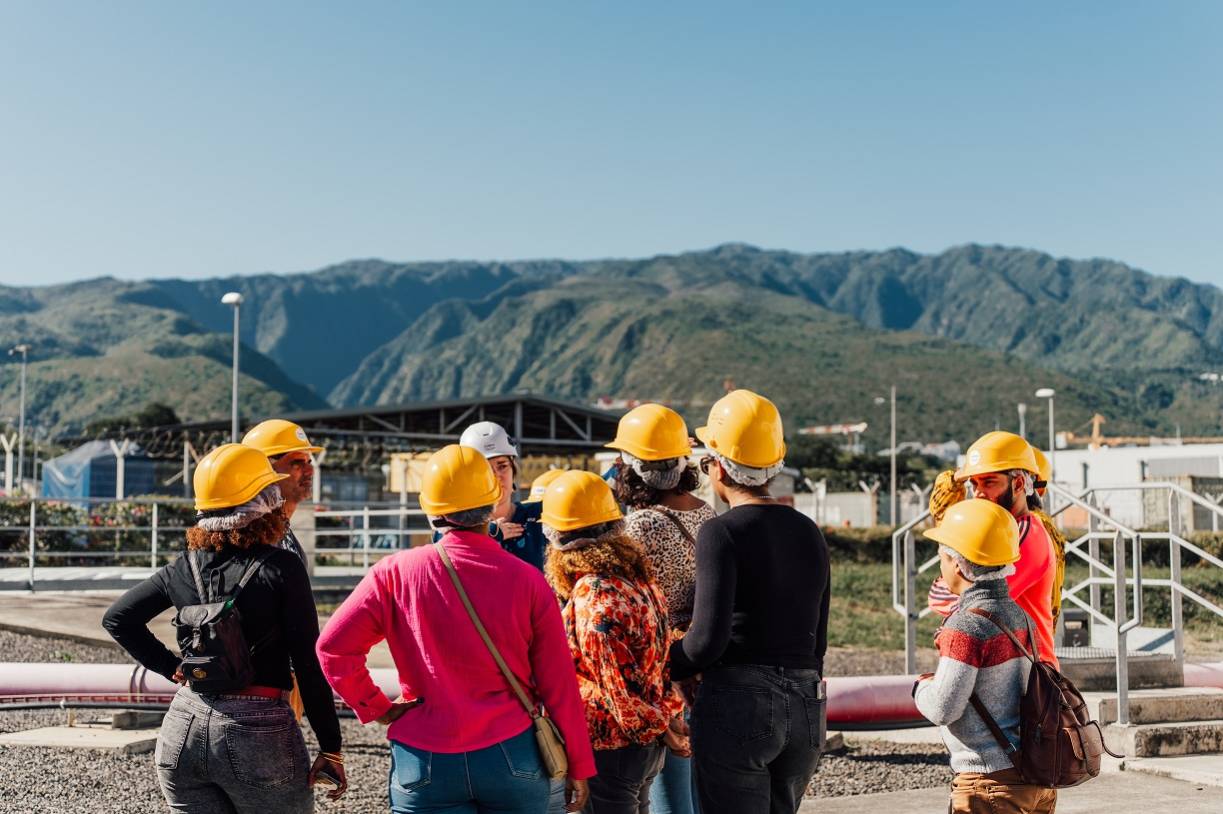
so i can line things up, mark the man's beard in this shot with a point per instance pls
(1007, 499)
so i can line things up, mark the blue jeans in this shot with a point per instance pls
(756, 738)
(674, 790)
(506, 777)
(230, 754)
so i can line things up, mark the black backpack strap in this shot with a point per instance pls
(250, 571)
(195, 573)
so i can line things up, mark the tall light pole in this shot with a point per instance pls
(1047, 393)
(234, 298)
(892, 489)
(24, 350)
(1023, 420)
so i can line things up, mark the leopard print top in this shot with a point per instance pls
(671, 555)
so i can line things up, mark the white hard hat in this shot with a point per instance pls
(489, 438)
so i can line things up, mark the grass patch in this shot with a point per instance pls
(861, 612)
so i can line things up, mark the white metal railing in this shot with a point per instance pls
(364, 537)
(1126, 579)
(365, 532)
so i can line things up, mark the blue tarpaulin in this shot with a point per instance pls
(89, 471)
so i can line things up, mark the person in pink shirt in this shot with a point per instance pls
(461, 741)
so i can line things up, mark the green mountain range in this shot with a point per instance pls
(965, 335)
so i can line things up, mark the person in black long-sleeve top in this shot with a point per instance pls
(239, 750)
(760, 624)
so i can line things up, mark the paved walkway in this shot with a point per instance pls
(1113, 793)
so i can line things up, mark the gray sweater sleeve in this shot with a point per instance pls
(943, 699)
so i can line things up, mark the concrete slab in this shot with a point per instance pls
(78, 615)
(1171, 705)
(1206, 770)
(85, 736)
(1124, 792)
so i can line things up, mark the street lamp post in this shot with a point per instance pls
(1023, 420)
(24, 350)
(234, 298)
(892, 489)
(1047, 393)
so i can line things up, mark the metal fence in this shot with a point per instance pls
(1124, 574)
(144, 533)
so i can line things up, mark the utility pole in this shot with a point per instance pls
(24, 351)
(1048, 393)
(234, 299)
(1023, 420)
(893, 516)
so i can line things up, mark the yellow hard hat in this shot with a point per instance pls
(541, 484)
(997, 451)
(278, 437)
(578, 500)
(231, 475)
(1044, 470)
(457, 479)
(981, 531)
(746, 428)
(652, 432)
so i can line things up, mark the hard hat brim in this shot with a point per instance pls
(571, 524)
(967, 472)
(272, 452)
(254, 488)
(944, 537)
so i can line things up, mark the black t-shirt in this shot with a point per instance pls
(277, 610)
(762, 591)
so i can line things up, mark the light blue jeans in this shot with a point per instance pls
(507, 777)
(673, 791)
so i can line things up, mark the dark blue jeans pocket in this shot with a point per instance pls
(172, 738)
(411, 769)
(265, 753)
(522, 756)
(742, 712)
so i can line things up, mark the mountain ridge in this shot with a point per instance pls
(368, 331)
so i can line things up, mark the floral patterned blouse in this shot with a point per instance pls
(618, 636)
(672, 555)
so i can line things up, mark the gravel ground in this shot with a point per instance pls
(49, 780)
(20, 647)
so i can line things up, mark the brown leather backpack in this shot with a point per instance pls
(1059, 744)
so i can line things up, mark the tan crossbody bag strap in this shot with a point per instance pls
(547, 736)
(492, 648)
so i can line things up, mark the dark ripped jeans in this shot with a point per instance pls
(756, 738)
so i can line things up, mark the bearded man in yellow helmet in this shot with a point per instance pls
(1001, 467)
(291, 454)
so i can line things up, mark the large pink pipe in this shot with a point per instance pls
(870, 700)
(853, 701)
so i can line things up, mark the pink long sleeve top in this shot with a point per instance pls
(409, 600)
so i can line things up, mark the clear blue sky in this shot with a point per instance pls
(202, 139)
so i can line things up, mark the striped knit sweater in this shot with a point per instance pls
(975, 655)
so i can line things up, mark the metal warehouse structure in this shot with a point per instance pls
(362, 439)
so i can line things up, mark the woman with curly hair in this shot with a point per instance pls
(239, 748)
(616, 621)
(655, 480)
